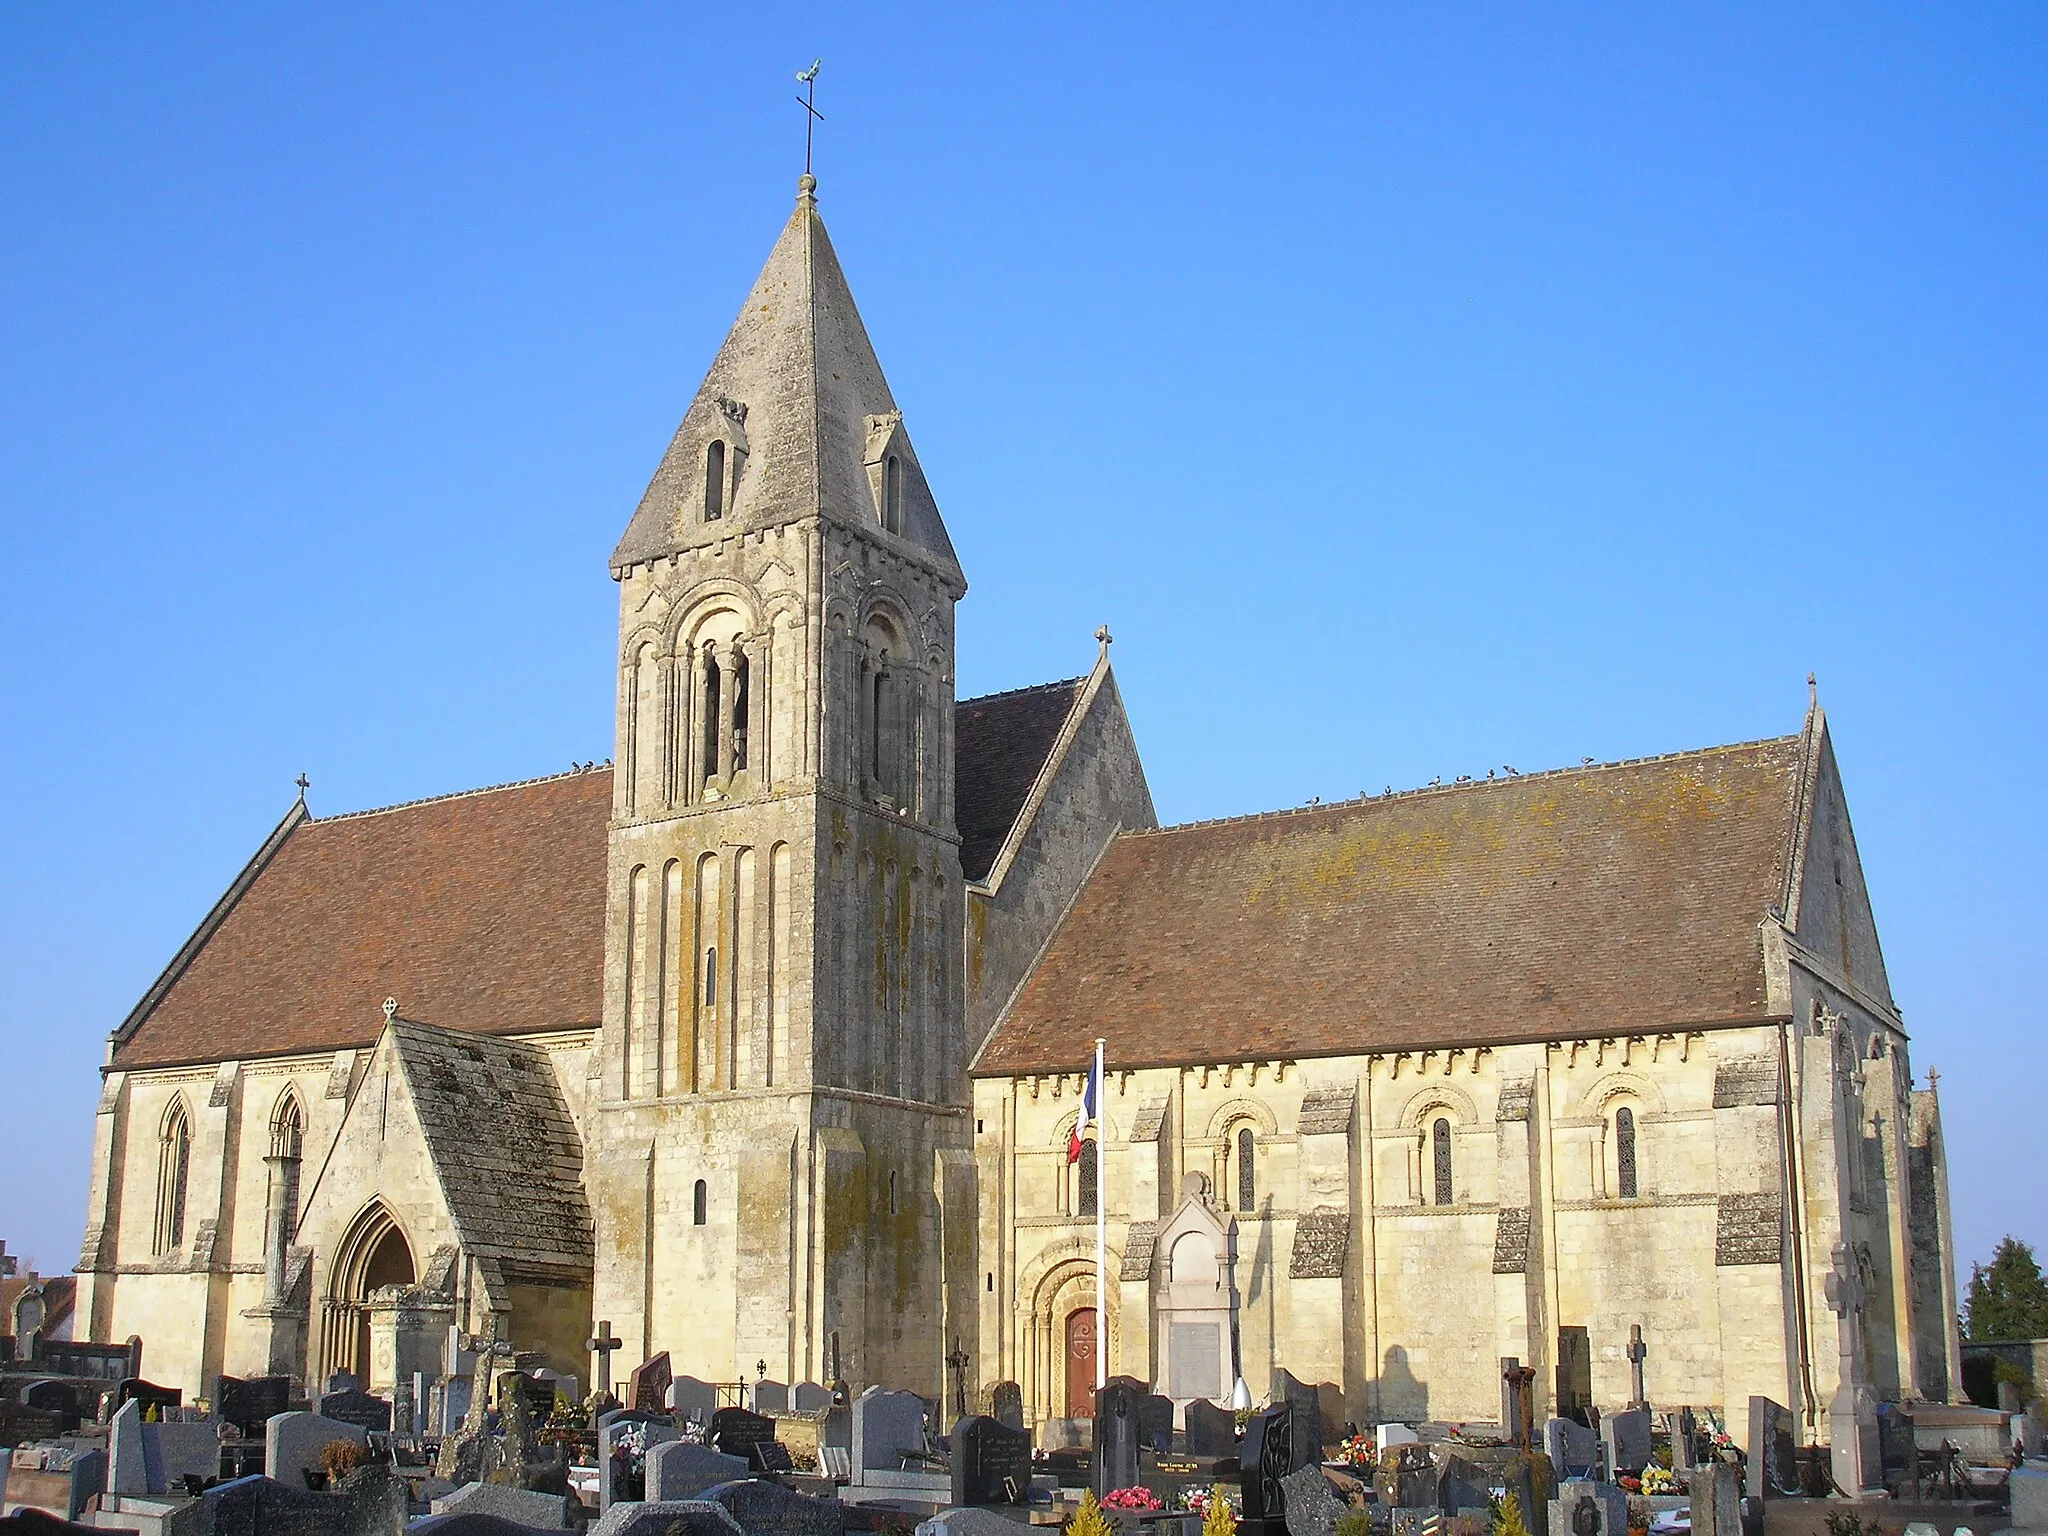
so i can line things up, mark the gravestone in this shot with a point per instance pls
(1117, 1431)
(68, 1400)
(771, 1397)
(810, 1397)
(968, 1522)
(694, 1401)
(1575, 1375)
(679, 1469)
(1311, 1509)
(349, 1406)
(627, 1431)
(248, 1402)
(885, 1425)
(1573, 1449)
(1717, 1499)
(343, 1381)
(769, 1509)
(179, 1451)
(1773, 1470)
(1684, 1429)
(1301, 1397)
(683, 1517)
(1386, 1435)
(292, 1442)
(135, 1390)
(647, 1388)
(1588, 1509)
(1211, 1431)
(991, 1463)
(537, 1511)
(736, 1431)
(1155, 1422)
(1003, 1401)
(1626, 1436)
(370, 1501)
(127, 1459)
(1267, 1455)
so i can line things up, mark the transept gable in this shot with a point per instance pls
(1826, 900)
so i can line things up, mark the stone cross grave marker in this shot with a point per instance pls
(647, 1388)
(601, 1344)
(991, 1462)
(1637, 1351)
(1211, 1430)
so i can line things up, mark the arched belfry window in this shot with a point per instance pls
(1440, 1142)
(173, 1164)
(878, 712)
(892, 494)
(1247, 1171)
(699, 1198)
(714, 481)
(713, 692)
(1625, 1152)
(1087, 1180)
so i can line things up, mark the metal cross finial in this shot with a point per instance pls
(808, 79)
(304, 784)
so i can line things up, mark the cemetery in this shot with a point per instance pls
(494, 1444)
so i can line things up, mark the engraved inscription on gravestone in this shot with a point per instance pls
(991, 1462)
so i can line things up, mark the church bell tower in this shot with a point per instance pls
(777, 1141)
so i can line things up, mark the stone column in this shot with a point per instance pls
(757, 710)
(728, 679)
(277, 1227)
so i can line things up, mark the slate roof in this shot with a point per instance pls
(1000, 744)
(1616, 899)
(482, 911)
(505, 1147)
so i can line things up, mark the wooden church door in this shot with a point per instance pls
(1081, 1363)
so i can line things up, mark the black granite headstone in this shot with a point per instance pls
(1212, 1431)
(1155, 1423)
(1575, 1375)
(362, 1409)
(1267, 1456)
(247, 1403)
(769, 1509)
(1117, 1428)
(769, 1456)
(1308, 1413)
(991, 1463)
(736, 1431)
(149, 1394)
(68, 1400)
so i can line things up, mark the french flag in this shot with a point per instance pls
(1091, 1098)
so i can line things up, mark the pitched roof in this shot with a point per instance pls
(483, 911)
(798, 366)
(1622, 898)
(1000, 744)
(505, 1147)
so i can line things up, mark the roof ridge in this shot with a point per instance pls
(462, 794)
(1010, 693)
(1455, 788)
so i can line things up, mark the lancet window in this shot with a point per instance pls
(173, 1165)
(1440, 1142)
(1625, 1152)
(1247, 1170)
(1087, 1179)
(892, 494)
(714, 481)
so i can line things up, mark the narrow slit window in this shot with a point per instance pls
(714, 481)
(699, 1200)
(1247, 1172)
(740, 689)
(892, 494)
(875, 712)
(711, 977)
(1625, 1151)
(711, 691)
(1440, 1136)
(892, 1194)
(1087, 1193)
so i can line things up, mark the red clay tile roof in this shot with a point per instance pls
(1000, 742)
(1608, 900)
(481, 911)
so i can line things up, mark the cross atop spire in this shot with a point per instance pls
(808, 79)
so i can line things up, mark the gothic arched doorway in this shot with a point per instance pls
(1081, 1363)
(373, 1254)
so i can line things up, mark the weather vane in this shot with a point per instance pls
(808, 79)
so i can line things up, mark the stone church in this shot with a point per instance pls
(764, 1041)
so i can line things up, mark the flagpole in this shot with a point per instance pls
(1101, 1169)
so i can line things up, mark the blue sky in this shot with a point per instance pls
(1412, 391)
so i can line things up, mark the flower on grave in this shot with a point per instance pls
(1658, 1481)
(1143, 1500)
(1357, 1451)
(1630, 1484)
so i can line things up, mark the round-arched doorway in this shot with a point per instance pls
(373, 1254)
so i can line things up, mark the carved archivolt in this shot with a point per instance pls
(1243, 1108)
(1439, 1098)
(1622, 1083)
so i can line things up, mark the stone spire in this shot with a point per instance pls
(797, 397)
